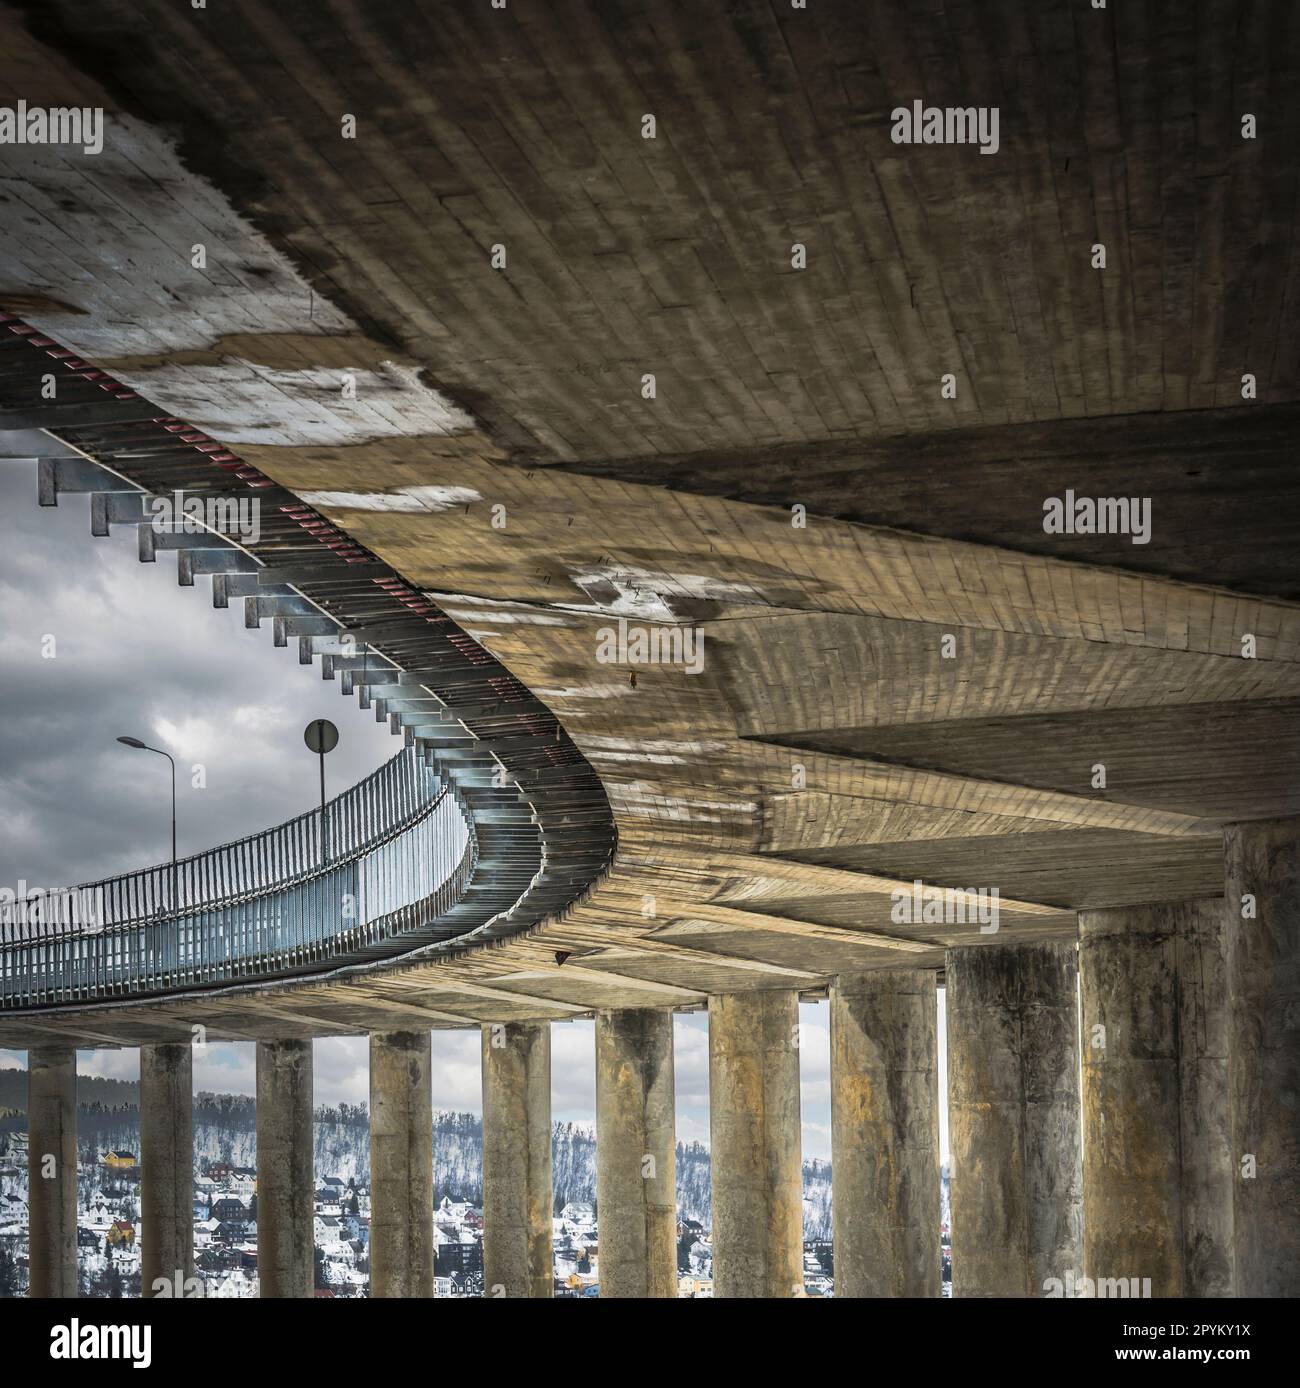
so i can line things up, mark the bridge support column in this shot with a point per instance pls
(1157, 1174)
(166, 1167)
(885, 1133)
(285, 1169)
(401, 1165)
(1013, 1117)
(52, 1171)
(1263, 950)
(754, 1132)
(636, 1186)
(517, 1190)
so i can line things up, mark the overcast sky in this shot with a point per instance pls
(135, 653)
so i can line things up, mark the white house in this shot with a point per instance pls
(328, 1233)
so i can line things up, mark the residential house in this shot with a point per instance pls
(460, 1259)
(205, 1232)
(328, 1233)
(228, 1208)
(581, 1214)
(121, 1233)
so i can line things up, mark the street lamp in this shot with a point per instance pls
(144, 747)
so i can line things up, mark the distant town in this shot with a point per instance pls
(225, 1205)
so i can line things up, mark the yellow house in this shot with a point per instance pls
(121, 1231)
(122, 1161)
(694, 1286)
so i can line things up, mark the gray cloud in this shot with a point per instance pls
(135, 653)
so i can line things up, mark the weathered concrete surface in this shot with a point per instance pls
(166, 1165)
(52, 1171)
(1263, 861)
(1013, 1117)
(285, 1175)
(828, 636)
(636, 1168)
(517, 1189)
(885, 1133)
(401, 1164)
(1156, 1190)
(755, 1142)
(1205, 1118)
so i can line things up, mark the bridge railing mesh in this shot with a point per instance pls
(385, 858)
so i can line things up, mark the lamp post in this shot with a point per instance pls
(144, 747)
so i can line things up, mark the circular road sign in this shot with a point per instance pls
(321, 735)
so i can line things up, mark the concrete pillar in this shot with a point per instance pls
(1205, 1106)
(52, 1171)
(1013, 1117)
(1263, 951)
(285, 1169)
(517, 1190)
(166, 1167)
(401, 1164)
(1156, 1160)
(636, 1180)
(755, 1157)
(885, 1133)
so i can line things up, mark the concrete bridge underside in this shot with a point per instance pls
(903, 678)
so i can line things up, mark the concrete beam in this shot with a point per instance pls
(52, 1171)
(285, 1169)
(1013, 1117)
(885, 1133)
(1263, 954)
(401, 1165)
(1156, 1157)
(166, 1166)
(675, 911)
(517, 1190)
(755, 1140)
(636, 1182)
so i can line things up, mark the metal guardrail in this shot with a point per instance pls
(387, 858)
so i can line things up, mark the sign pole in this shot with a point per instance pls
(321, 736)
